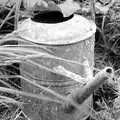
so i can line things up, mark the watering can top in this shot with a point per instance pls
(74, 29)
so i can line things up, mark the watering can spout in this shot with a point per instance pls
(79, 96)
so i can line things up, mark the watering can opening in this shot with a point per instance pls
(50, 17)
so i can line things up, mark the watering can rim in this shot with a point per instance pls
(67, 39)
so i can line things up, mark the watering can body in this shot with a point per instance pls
(71, 41)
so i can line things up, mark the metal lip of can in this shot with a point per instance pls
(68, 32)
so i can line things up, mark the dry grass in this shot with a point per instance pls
(106, 54)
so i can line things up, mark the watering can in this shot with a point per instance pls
(69, 41)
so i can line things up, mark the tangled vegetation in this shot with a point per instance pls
(107, 53)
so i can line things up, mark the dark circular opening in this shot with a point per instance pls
(49, 17)
(109, 70)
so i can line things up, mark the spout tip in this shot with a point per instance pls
(109, 70)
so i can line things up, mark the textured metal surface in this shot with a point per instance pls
(43, 110)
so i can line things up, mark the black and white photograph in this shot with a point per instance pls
(59, 59)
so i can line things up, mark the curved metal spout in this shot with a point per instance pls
(80, 95)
